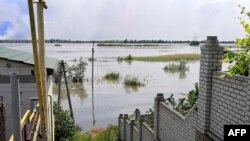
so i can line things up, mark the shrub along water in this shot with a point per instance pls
(112, 76)
(76, 72)
(132, 81)
(174, 67)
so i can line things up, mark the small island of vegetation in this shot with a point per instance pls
(161, 58)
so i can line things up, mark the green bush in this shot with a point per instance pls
(76, 72)
(174, 68)
(184, 105)
(239, 61)
(65, 128)
(112, 76)
(132, 81)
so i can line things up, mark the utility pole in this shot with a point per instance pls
(67, 89)
(93, 101)
(41, 46)
(38, 73)
(59, 83)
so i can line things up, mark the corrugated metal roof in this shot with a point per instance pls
(25, 57)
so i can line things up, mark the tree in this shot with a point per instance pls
(239, 61)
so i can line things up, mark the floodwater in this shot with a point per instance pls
(111, 99)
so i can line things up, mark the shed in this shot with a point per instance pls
(16, 61)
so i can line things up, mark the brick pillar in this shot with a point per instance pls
(137, 114)
(132, 124)
(158, 99)
(211, 60)
(141, 120)
(125, 118)
(248, 99)
(119, 125)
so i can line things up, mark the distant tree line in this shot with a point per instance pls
(108, 41)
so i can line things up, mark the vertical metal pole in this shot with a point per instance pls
(68, 94)
(37, 66)
(16, 109)
(40, 25)
(93, 101)
(59, 83)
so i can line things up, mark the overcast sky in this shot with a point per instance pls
(127, 19)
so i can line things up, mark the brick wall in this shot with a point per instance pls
(174, 126)
(228, 102)
(135, 134)
(147, 132)
(128, 131)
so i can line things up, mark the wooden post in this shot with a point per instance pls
(68, 94)
(40, 25)
(16, 109)
(59, 83)
(37, 66)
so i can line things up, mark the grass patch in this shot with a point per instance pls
(162, 58)
(112, 76)
(132, 81)
(109, 134)
(174, 67)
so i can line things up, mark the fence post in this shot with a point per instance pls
(119, 126)
(211, 60)
(2, 119)
(248, 99)
(137, 114)
(132, 123)
(141, 120)
(158, 99)
(124, 126)
(16, 109)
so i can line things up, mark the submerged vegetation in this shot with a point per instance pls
(109, 134)
(174, 67)
(115, 76)
(127, 44)
(161, 58)
(133, 81)
(76, 72)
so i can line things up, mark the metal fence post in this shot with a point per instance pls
(16, 109)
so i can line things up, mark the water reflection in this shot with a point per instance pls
(112, 81)
(76, 90)
(131, 89)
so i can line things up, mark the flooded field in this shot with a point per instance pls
(111, 99)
